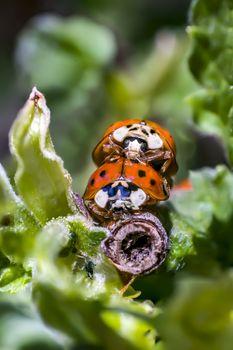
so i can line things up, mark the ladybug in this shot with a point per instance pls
(141, 140)
(123, 186)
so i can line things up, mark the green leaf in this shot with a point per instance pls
(14, 278)
(212, 65)
(18, 226)
(199, 316)
(201, 223)
(64, 248)
(211, 32)
(18, 314)
(41, 179)
(85, 306)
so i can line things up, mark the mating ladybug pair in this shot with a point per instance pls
(135, 159)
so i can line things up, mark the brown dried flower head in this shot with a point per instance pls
(136, 245)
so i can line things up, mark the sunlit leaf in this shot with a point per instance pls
(41, 179)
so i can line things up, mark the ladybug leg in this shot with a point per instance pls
(79, 203)
(158, 155)
(111, 157)
(113, 150)
(98, 214)
(112, 146)
(170, 167)
(166, 158)
(140, 160)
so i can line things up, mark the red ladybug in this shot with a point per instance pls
(123, 186)
(141, 140)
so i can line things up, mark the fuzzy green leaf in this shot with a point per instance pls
(14, 278)
(18, 314)
(199, 316)
(17, 225)
(79, 303)
(211, 63)
(17, 231)
(41, 179)
(201, 222)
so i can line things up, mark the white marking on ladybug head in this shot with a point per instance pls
(154, 141)
(138, 197)
(120, 133)
(101, 198)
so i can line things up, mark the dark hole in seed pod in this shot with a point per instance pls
(135, 247)
(135, 241)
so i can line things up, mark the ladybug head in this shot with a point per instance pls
(138, 136)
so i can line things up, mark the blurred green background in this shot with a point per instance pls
(98, 62)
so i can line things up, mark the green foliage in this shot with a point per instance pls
(18, 316)
(50, 256)
(203, 217)
(199, 315)
(211, 64)
(18, 228)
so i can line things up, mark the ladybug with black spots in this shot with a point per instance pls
(139, 140)
(123, 186)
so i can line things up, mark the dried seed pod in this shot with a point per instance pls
(137, 245)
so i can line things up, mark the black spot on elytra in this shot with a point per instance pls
(92, 182)
(141, 173)
(152, 182)
(152, 131)
(134, 129)
(128, 126)
(102, 173)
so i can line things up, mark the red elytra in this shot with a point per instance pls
(162, 157)
(140, 174)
